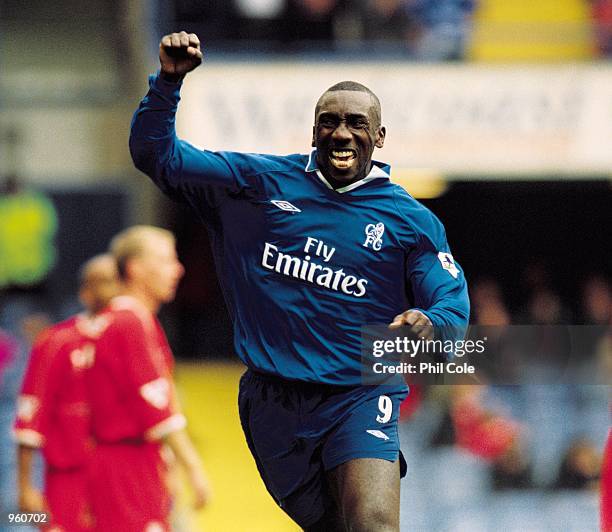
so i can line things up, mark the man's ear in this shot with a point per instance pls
(132, 268)
(313, 144)
(380, 137)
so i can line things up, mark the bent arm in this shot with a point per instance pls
(443, 298)
(438, 283)
(175, 166)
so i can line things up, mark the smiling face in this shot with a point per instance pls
(346, 131)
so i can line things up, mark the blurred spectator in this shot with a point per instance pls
(444, 432)
(260, 9)
(535, 276)
(492, 435)
(580, 468)
(603, 353)
(478, 428)
(488, 303)
(444, 27)
(28, 223)
(33, 325)
(10, 371)
(310, 21)
(596, 315)
(512, 469)
(8, 349)
(545, 308)
(602, 15)
(596, 301)
(387, 21)
(259, 19)
(412, 403)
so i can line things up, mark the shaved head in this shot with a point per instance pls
(357, 87)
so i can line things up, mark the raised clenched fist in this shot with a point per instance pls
(179, 53)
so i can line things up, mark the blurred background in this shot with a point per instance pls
(499, 118)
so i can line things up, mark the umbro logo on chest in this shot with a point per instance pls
(285, 205)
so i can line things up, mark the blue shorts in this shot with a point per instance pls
(297, 431)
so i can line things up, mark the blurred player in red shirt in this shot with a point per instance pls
(52, 410)
(132, 395)
(606, 487)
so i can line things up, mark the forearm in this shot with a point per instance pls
(447, 305)
(25, 457)
(450, 311)
(184, 450)
(188, 458)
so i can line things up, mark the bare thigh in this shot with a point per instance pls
(366, 492)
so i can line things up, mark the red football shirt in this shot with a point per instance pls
(52, 409)
(130, 383)
(606, 487)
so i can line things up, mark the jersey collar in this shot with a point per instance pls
(127, 302)
(379, 171)
(90, 325)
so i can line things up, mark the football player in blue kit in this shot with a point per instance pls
(308, 250)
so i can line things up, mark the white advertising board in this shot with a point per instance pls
(453, 119)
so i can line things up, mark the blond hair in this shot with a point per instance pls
(91, 268)
(132, 243)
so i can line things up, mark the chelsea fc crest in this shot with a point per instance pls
(374, 234)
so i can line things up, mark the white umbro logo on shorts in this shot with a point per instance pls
(378, 433)
(285, 205)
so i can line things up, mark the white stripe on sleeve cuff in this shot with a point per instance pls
(171, 424)
(29, 437)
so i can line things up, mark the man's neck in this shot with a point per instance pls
(335, 184)
(143, 297)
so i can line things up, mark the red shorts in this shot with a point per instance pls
(129, 491)
(606, 487)
(67, 496)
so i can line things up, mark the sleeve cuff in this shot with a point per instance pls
(168, 89)
(28, 437)
(431, 317)
(171, 424)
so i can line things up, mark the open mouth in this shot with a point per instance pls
(343, 159)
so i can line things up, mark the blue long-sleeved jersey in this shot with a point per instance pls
(302, 266)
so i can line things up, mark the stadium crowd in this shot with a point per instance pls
(423, 29)
(428, 30)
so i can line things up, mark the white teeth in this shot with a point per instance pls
(336, 153)
(343, 164)
(342, 159)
